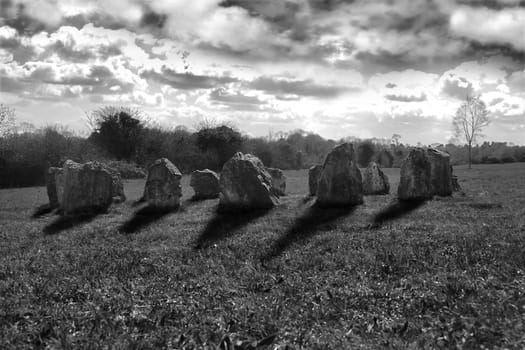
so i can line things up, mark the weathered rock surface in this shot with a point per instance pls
(340, 182)
(374, 180)
(87, 188)
(313, 177)
(205, 184)
(163, 189)
(245, 184)
(415, 182)
(116, 185)
(440, 172)
(278, 181)
(59, 183)
(51, 186)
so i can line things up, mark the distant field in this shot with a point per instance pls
(449, 273)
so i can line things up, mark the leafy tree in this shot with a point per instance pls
(222, 140)
(365, 153)
(395, 139)
(117, 130)
(470, 119)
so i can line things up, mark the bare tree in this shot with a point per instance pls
(470, 119)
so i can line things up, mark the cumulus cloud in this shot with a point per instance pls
(488, 26)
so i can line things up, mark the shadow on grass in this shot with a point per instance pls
(66, 222)
(42, 210)
(312, 221)
(138, 202)
(223, 224)
(397, 210)
(144, 217)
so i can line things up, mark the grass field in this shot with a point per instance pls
(448, 273)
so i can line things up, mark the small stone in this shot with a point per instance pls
(163, 189)
(415, 182)
(88, 188)
(205, 184)
(375, 181)
(51, 186)
(245, 184)
(440, 172)
(313, 177)
(278, 181)
(340, 182)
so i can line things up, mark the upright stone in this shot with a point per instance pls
(340, 182)
(375, 181)
(415, 182)
(163, 189)
(455, 183)
(278, 181)
(51, 186)
(116, 185)
(313, 177)
(59, 183)
(245, 184)
(87, 188)
(205, 184)
(440, 172)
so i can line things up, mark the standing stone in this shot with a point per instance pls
(205, 184)
(440, 173)
(116, 185)
(374, 180)
(278, 181)
(88, 188)
(51, 186)
(59, 183)
(340, 182)
(313, 177)
(163, 189)
(245, 184)
(455, 183)
(415, 182)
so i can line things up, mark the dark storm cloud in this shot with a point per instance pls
(14, 15)
(237, 101)
(455, 86)
(21, 53)
(277, 86)
(399, 97)
(492, 4)
(9, 84)
(223, 96)
(186, 81)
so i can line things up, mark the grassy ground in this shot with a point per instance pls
(448, 273)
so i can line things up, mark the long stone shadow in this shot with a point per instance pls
(66, 222)
(42, 210)
(223, 224)
(307, 225)
(144, 217)
(397, 210)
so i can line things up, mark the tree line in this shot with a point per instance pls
(129, 141)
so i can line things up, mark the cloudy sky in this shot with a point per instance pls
(335, 67)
